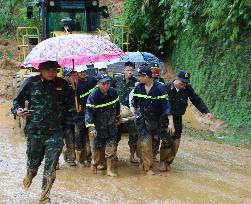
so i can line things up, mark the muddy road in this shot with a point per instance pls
(203, 172)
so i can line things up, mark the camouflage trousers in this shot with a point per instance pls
(47, 147)
(132, 131)
(69, 143)
(103, 148)
(82, 143)
(146, 134)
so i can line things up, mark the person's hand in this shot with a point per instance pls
(209, 115)
(119, 119)
(22, 112)
(171, 128)
(93, 133)
(132, 111)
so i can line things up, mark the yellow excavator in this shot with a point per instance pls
(64, 17)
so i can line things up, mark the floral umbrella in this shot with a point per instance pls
(73, 49)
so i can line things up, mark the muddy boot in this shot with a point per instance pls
(94, 169)
(57, 166)
(147, 154)
(109, 168)
(162, 166)
(150, 172)
(45, 195)
(133, 149)
(70, 163)
(102, 165)
(164, 155)
(31, 173)
(80, 158)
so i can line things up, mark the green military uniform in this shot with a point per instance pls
(44, 127)
(124, 88)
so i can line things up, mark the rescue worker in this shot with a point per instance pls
(156, 72)
(69, 132)
(102, 117)
(179, 91)
(150, 104)
(156, 140)
(124, 85)
(48, 98)
(102, 67)
(85, 86)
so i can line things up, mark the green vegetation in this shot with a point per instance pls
(211, 39)
(13, 14)
(231, 137)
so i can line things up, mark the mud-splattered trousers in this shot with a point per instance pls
(150, 108)
(179, 103)
(44, 127)
(124, 88)
(102, 112)
(84, 88)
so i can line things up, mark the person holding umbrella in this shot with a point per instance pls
(49, 99)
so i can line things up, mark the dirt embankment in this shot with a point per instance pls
(8, 67)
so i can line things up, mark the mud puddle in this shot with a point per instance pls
(203, 172)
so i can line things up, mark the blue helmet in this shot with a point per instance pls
(67, 71)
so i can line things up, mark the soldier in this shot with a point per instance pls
(69, 132)
(101, 117)
(150, 104)
(124, 85)
(179, 91)
(85, 86)
(48, 98)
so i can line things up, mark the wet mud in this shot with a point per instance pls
(203, 172)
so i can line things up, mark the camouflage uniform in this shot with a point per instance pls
(101, 114)
(44, 128)
(124, 90)
(84, 88)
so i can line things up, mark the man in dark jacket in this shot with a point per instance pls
(150, 104)
(48, 98)
(85, 86)
(102, 117)
(124, 85)
(179, 91)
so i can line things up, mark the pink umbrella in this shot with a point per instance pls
(73, 49)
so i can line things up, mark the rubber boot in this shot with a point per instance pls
(109, 168)
(133, 149)
(45, 195)
(102, 165)
(80, 157)
(174, 149)
(164, 155)
(31, 173)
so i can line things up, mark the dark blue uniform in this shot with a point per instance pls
(150, 109)
(179, 103)
(101, 114)
(84, 88)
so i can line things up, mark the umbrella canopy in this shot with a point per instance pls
(73, 49)
(138, 57)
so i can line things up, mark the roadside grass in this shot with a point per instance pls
(235, 137)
